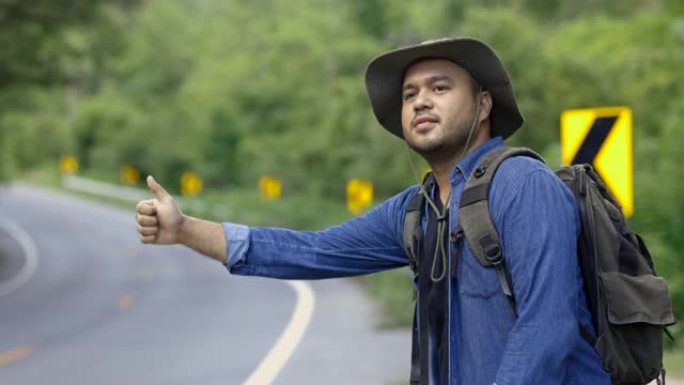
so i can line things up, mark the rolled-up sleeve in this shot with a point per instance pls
(237, 242)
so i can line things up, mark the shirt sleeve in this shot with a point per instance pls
(237, 241)
(539, 224)
(363, 245)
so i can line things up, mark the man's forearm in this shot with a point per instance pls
(205, 237)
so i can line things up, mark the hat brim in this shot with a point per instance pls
(385, 76)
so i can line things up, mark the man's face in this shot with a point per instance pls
(438, 107)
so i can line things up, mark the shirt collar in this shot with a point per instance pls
(467, 164)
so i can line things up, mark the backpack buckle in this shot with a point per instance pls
(482, 169)
(493, 254)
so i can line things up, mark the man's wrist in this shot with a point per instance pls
(203, 236)
(185, 230)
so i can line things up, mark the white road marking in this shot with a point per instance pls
(276, 359)
(30, 255)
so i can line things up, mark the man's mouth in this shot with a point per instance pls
(424, 121)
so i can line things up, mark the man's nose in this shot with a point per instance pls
(422, 102)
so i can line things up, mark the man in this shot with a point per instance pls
(452, 102)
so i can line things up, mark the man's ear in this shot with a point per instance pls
(486, 104)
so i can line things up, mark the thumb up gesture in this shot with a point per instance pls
(159, 219)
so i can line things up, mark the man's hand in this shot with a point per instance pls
(160, 221)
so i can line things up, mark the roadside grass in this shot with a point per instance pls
(235, 204)
(674, 363)
(393, 291)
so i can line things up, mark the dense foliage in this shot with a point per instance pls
(233, 90)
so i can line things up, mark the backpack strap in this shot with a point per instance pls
(413, 235)
(475, 218)
(415, 377)
(412, 231)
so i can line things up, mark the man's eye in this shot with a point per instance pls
(409, 95)
(440, 88)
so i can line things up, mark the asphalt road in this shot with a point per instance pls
(88, 304)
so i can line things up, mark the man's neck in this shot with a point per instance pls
(442, 172)
(443, 167)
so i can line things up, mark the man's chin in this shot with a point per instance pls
(424, 147)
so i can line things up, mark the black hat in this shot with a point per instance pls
(385, 77)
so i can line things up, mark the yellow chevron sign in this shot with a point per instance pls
(130, 175)
(270, 187)
(359, 195)
(191, 184)
(68, 164)
(603, 137)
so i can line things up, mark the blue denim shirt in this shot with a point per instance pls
(538, 223)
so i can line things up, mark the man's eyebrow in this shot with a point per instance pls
(407, 86)
(431, 79)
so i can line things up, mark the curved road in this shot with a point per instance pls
(94, 306)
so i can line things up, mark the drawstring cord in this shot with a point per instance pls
(442, 216)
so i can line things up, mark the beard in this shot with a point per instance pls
(449, 143)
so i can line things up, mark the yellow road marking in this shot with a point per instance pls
(125, 302)
(269, 368)
(146, 273)
(15, 354)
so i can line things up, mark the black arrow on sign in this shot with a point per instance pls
(594, 140)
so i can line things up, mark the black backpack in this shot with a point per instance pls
(630, 305)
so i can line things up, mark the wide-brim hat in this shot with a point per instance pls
(385, 76)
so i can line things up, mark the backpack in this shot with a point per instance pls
(629, 304)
